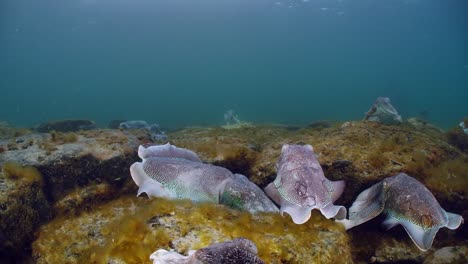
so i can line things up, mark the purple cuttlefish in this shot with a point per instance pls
(300, 186)
(405, 201)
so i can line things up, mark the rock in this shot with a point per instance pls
(383, 111)
(458, 138)
(88, 176)
(97, 156)
(114, 124)
(129, 229)
(449, 255)
(361, 153)
(425, 127)
(23, 206)
(321, 124)
(7, 131)
(71, 125)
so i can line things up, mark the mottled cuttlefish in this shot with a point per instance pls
(239, 250)
(176, 173)
(405, 201)
(300, 186)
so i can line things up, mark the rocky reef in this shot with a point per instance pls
(89, 210)
(69, 125)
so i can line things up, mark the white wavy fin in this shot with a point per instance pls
(334, 211)
(163, 256)
(338, 188)
(368, 205)
(454, 220)
(423, 238)
(299, 214)
(167, 151)
(390, 222)
(147, 185)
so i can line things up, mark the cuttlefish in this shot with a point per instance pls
(239, 250)
(176, 173)
(405, 201)
(300, 186)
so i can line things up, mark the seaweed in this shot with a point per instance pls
(63, 137)
(28, 174)
(456, 137)
(143, 226)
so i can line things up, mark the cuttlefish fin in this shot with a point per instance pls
(422, 237)
(338, 188)
(368, 205)
(334, 211)
(273, 193)
(147, 185)
(454, 220)
(298, 214)
(390, 222)
(167, 151)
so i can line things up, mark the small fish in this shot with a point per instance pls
(300, 186)
(405, 201)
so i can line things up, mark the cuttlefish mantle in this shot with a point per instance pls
(300, 186)
(175, 173)
(405, 201)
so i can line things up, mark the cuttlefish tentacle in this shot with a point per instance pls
(405, 201)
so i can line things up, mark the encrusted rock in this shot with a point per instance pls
(23, 206)
(449, 255)
(66, 125)
(88, 157)
(129, 229)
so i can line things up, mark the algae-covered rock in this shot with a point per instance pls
(361, 153)
(8, 131)
(23, 206)
(449, 255)
(84, 171)
(128, 230)
(69, 125)
(73, 160)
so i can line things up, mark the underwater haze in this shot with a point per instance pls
(186, 62)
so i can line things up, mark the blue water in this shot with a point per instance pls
(185, 62)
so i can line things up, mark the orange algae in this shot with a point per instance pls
(130, 229)
(27, 174)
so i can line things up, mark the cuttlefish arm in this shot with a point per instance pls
(369, 204)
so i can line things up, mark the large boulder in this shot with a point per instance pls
(129, 229)
(23, 206)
